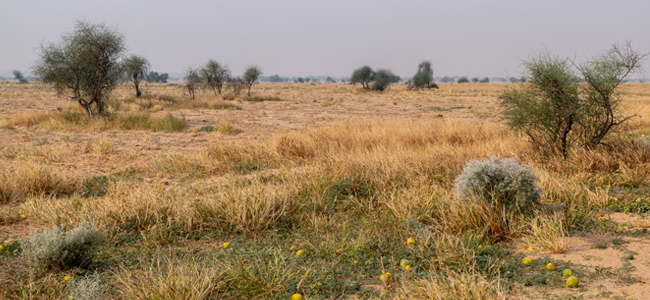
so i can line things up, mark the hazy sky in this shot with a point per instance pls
(476, 38)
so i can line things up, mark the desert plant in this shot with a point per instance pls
(252, 75)
(214, 75)
(383, 78)
(58, 249)
(502, 181)
(364, 75)
(556, 112)
(192, 80)
(135, 68)
(87, 288)
(85, 64)
(19, 76)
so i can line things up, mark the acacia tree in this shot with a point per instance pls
(214, 75)
(364, 75)
(136, 68)
(383, 78)
(192, 80)
(19, 76)
(85, 64)
(557, 112)
(423, 76)
(600, 112)
(252, 75)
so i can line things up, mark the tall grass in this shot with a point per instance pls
(68, 120)
(32, 180)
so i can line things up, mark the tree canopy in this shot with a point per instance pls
(85, 64)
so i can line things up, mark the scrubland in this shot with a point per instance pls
(319, 190)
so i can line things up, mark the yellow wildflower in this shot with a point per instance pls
(66, 278)
(368, 262)
(526, 261)
(407, 267)
(300, 252)
(410, 241)
(225, 245)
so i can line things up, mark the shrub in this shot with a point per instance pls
(87, 289)
(57, 249)
(503, 181)
(463, 80)
(364, 75)
(383, 78)
(556, 112)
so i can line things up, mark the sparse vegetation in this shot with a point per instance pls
(221, 208)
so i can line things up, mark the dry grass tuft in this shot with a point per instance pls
(455, 285)
(33, 180)
(547, 232)
(167, 278)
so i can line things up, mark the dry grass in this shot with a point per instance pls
(360, 175)
(455, 285)
(547, 233)
(34, 180)
(167, 278)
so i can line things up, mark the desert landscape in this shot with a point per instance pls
(325, 190)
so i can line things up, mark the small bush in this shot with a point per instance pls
(463, 80)
(86, 289)
(500, 180)
(57, 249)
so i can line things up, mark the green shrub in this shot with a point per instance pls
(557, 112)
(500, 180)
(57, 249)
(463, 80)
(383, 78)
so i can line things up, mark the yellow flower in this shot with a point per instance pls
(480, 247)
(384, 277)
(22, 216)
(338, 251)
(66, 278)
(410, 241)
(225, 245)
(407, 267)
(198, 179)
(550, 267)
(368, 262)
(403, 262)
(526, 261)
(296, 297)
(530, 249)
(292, 247)
(2, 247)
(300, 252)
(572, 282)
(355, 262)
